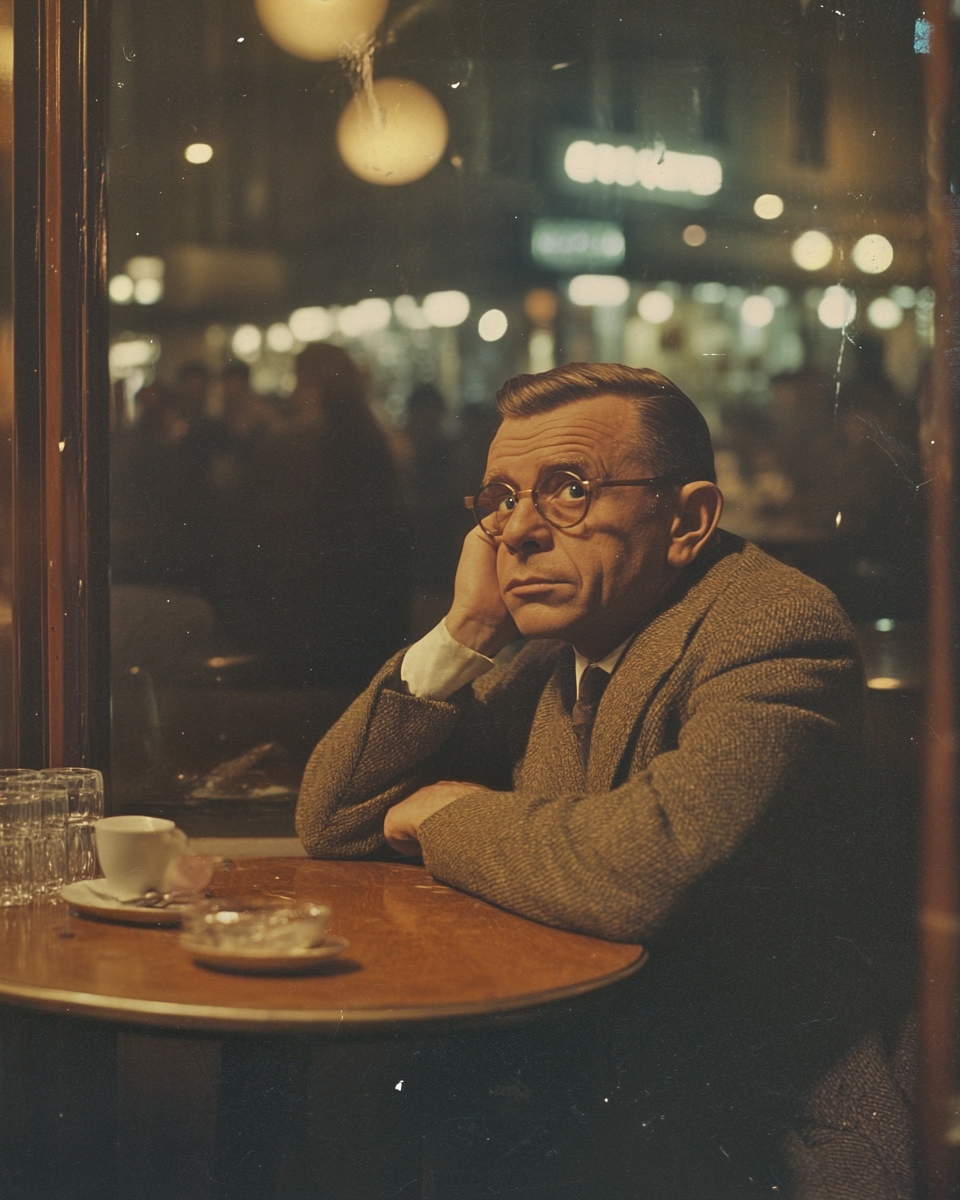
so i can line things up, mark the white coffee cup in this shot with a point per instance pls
(137, 852)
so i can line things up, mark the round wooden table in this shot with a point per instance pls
(189, 1073)
(419, 952)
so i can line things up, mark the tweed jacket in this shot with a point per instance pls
(740, 698)
(723, 820)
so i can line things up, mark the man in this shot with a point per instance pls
(674, 758)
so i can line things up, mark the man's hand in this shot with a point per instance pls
(478, 617)
(401, 825)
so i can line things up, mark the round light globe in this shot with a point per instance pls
(812, 250)
(655, 307)
(757, 311)
(492, 325)
(401, 143)
(884, 313)
(198, 152)
(768, 206)
(838, 307)
(872, 254)
(121, 289)
(317, 29)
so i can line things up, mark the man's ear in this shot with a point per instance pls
(699, 506)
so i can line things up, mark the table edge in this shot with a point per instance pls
(132, 1011)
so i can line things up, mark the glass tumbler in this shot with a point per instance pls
(20, 823)
(84, 808)
(50, 854)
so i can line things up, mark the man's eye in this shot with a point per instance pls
(508, 503)
(574, 491)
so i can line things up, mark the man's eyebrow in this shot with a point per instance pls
(577, 466)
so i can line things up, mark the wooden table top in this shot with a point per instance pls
(419, 952)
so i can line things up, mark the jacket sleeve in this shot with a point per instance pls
(389, 743)
(762, 732)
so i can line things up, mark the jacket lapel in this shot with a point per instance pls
(551, 758)
(651, 656)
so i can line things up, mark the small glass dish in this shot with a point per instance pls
(255, 928)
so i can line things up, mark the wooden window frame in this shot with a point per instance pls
(61, 384)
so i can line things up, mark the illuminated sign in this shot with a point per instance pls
(577, 245)
(643, 172)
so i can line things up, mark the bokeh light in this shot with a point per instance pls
(365, 317)
(446, 309)
(694, 235)
(709, 293)
(120, 289)
(147, 291)
(884, 313)
(768, 206)
(838, 308)
(812, 250)
(318, 29)
(246, 342)
(492, 325)
(905, 296)
(280, 338)
(399, 142)
(311, 324)
(602, 291)
(655, 307)
(757, 311)
(540, 305)
(873, 254)
(669, 170)
(409, 313)
(198, 152)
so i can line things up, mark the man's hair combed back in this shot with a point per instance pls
(672, 437)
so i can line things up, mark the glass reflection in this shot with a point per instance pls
(304, 359)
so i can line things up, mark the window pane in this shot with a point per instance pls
(333, 237)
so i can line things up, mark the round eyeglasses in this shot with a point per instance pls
(562, 499)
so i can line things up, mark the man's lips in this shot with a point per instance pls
(532, 586)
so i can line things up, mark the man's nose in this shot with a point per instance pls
(526, 531)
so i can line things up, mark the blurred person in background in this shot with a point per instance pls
(434, 499)
(160, 491)
(326, 580)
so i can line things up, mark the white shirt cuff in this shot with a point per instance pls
(438, 665)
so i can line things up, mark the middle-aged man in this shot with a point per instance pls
(672, 757)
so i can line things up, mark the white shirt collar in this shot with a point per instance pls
(605, 664)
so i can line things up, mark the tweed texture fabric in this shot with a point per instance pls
(721, 818)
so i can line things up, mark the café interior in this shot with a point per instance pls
(207, 229)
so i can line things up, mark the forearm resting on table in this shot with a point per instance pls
(379, 752)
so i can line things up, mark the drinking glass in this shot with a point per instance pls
(20, 823)
(84, 808)
(50, 860)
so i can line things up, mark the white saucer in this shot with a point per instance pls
(259, 962)
(90, 897)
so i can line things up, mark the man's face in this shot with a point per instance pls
(592, 584)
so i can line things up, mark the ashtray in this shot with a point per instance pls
(254, 928)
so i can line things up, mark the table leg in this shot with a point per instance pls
(166, 1124)
(58, 1107)
(259, 1107)
(318, 1119)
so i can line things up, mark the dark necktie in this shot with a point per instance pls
(592, 684)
